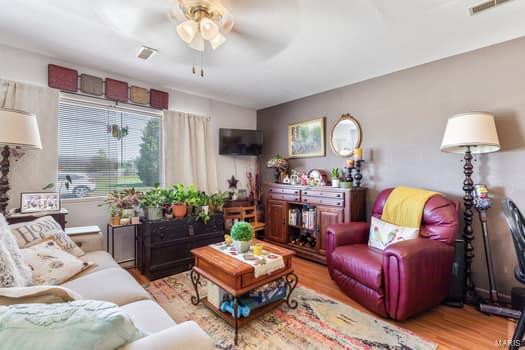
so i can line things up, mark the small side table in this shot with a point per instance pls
(111, 231)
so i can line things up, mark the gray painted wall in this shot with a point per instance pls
(403, 117)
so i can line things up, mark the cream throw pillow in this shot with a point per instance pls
(383, 234)
(33, 232)
(51, 264)
(21, 270)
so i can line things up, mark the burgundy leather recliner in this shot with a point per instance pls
(406, 278)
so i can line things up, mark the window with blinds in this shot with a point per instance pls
(102, 149)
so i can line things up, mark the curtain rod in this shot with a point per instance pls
(76, 97)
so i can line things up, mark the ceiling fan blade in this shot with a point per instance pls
(248, 7)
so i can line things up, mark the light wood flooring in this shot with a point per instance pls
(451, 328)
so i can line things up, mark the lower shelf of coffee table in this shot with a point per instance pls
(242, 320)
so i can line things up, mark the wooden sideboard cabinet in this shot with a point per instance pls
(297, 216)
(164, 246)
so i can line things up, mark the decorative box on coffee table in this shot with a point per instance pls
(164, 246)
(237, 278)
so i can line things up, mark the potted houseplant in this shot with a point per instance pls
(279, 164)
(242, 234)
(216, 202)
(152, 202)
(193, 199)
(126, 201)
(115, 215)
(180, 195)
(336, 173)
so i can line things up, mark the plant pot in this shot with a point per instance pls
(242, 246)
(345, 184)
(153, 213)
(128, 213)
(135, 220)
(125, 221)
(179, 210)
(205, 209)
(115, 220)
(335, 182)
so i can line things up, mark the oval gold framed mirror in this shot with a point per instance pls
(345, 136)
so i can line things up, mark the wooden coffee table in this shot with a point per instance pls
(237, 278)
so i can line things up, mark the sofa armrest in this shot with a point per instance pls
(417, 276)
(89, 239)
(187, 335)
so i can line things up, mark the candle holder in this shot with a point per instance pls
(358, 177)
(347, 174)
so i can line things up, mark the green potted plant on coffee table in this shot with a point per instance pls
(242, 235)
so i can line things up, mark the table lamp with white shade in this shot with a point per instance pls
(470, 133)
(17, 130)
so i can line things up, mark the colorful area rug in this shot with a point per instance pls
(318, 323)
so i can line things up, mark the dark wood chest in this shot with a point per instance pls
(164, 246)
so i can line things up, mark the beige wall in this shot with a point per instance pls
(403, 117)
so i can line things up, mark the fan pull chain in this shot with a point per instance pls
(202, 65)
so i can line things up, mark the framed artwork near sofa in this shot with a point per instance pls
(34, 202)
(307, 139)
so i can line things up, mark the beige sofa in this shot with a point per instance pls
(109, 282)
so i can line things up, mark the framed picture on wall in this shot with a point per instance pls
(307, 139)
(35, 202)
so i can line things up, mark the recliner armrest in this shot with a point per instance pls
(184, 336)
(344, 234)
(417, 275)
(347, 233)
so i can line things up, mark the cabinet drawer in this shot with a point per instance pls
(325, 194)
(284, 197)
(323, 200)
(290, 191)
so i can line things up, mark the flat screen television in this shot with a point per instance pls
(240, 142)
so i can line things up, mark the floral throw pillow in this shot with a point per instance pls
(33, 232)
(382, 233)
(52, 265)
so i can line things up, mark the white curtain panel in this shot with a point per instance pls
(36, 168)
(189, 153)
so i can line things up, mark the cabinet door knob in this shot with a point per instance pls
(270, 190)
(339, 195)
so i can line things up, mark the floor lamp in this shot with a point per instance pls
(470, 133)
(17, 130)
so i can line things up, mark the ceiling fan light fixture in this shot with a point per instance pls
(208, 28)
(217, 41)
(187, 31)
(198, 43)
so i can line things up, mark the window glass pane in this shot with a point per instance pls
(103, 149)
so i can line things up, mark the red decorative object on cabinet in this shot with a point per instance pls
(116, 90)
(158, 99)
(62, 78)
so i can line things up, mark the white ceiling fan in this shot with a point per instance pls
(203, 20)
(171, 25)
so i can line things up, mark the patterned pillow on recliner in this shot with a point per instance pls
(383, 234)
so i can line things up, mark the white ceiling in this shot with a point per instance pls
(282, 49)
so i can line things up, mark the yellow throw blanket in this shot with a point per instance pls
(404, 206)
